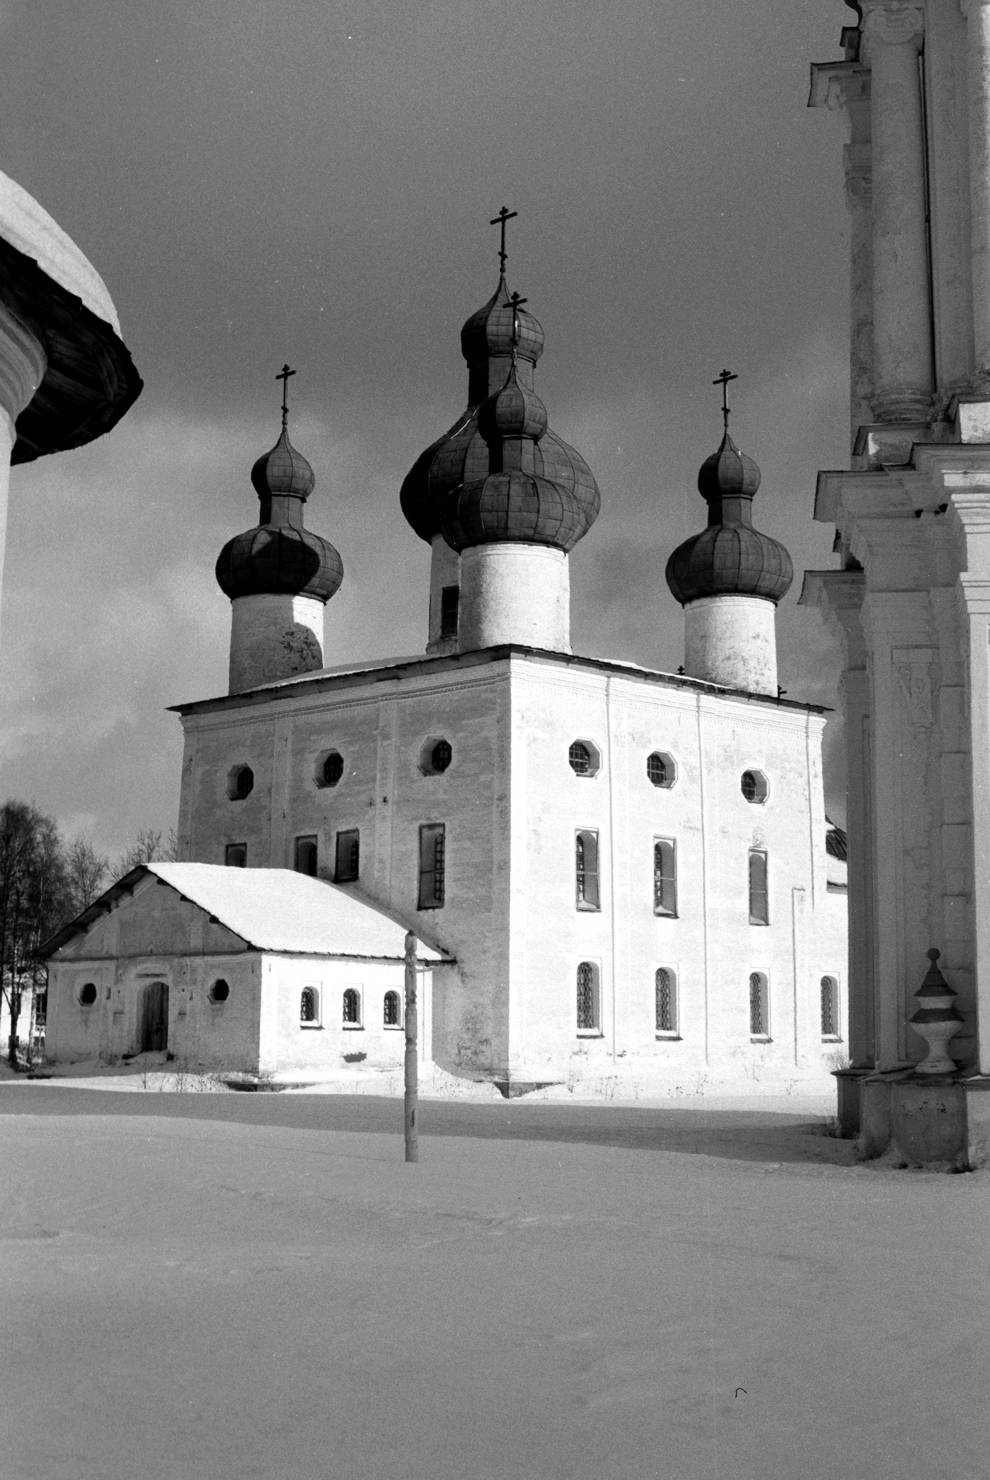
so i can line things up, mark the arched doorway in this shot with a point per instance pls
(153, 1018)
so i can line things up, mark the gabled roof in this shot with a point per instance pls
(271, 909)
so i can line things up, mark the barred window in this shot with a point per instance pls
(586, 871)
(588, 998)
(305, 855)
(664, 876)
(352, 1008)
(830, 1007)
(665, 989)
(347, 856)
(661, 769)
(309, 1008)
(579, 759)
(759, 1005)
(392, 1010)
(432, 865)
(753, 785)
(759, 899)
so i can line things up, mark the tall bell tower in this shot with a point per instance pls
(911, 599)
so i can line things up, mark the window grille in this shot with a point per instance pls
(753, 785)
(759, 1006)
(830, 1007)
(391, 1010)
(664, 877)
(666, 1001)
(759, 899)
(235, 855)
(579, 759)
(588, 998)
(441, 755)
(661, 769)
(432, 865)
(347, 860)
(309, 1007)
(352, 1008)
(450, 600)
(305, 856)
(586, 871)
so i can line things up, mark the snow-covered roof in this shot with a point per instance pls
(273, 909)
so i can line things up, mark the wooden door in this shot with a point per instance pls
(154, 1018)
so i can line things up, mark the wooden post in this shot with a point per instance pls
(412, 1053)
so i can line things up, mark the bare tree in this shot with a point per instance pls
(148, 847)
(33, 898)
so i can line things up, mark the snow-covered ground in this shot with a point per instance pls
(203, 1286)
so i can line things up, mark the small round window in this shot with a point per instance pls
(435, 756)
(753, 785)
(87, 994)
(220, 990)
(240, 783)
(661, 769)
(584, 758)
(329, 768)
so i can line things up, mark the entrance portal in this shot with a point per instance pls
(153, 1020)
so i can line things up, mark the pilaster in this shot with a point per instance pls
(893, 32)
(977, 13)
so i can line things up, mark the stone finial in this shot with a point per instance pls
(936, 1020)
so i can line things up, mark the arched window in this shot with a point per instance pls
(240, 783)
(753, 785)
(665, 991)
(588, 999)
(661, 769)
(759, 1006)
(352, 1008)
(309, 1008)
(392, 1010)
(830, 1007)
(664, 876)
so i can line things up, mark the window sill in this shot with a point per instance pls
(760, 1038)
(353, 1027)
(668, 1037)
(590, 1033)
(832, 1038)
(311, 1027)
(392, 1027)
(589, 909)
(762, 923)
(665, 914)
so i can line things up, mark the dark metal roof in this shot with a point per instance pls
(90, 380)
(279, 558)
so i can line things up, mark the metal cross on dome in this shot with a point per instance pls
(723, 379)
(283, 376)
(504, 215)
(515, 302)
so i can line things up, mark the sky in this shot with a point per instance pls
(312, 182)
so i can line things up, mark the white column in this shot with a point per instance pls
(732, 640)
(977, 14)
(892, 35)
(22, 367)
(514, 593)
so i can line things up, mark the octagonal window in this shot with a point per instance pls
(329, 768)
(219, 990)
(661, 769)
(435, 756)
(584, 758)
(754, 787)
(240, 783)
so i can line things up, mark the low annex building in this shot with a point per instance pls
(626, 869)
(267, 974)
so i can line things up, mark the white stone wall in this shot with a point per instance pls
(511, 805)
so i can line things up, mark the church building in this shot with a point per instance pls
(623, 880)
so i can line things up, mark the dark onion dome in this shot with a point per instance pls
(461, 455)
(489, 331)
(730, 557)
(516, 501)
(280, 556)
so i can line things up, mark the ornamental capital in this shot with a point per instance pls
(892, 22)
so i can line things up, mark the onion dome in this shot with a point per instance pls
(280, 556)
(516, 501)
(730, 557)
(462, 455)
